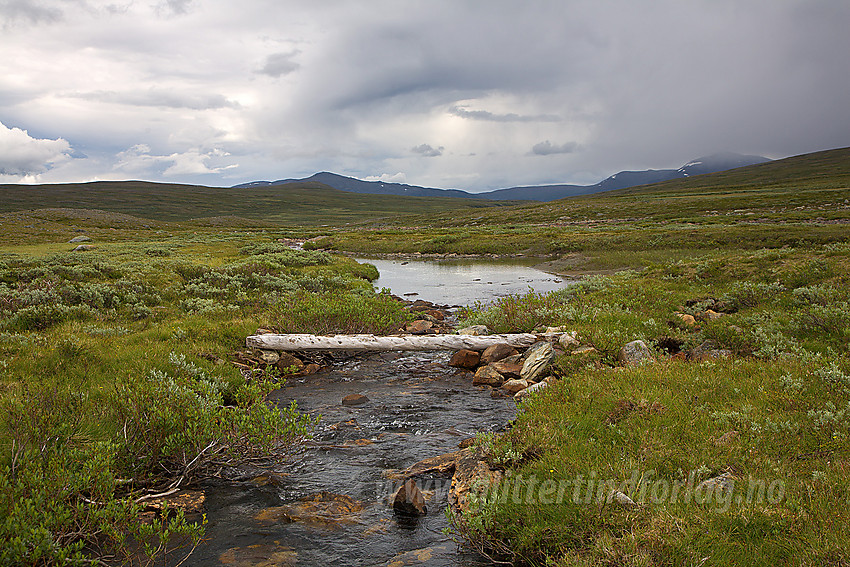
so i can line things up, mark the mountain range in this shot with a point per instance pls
(707, 164)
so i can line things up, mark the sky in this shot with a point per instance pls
(466, 94)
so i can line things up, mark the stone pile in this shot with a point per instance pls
(506, 370)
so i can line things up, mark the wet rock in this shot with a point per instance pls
(354, 400)
(537, 360)
(436, 555)
(477, 330)
(465, 359)
(472, 474)
(323, 509)
(311, 368)
(288, 363)
(508, 369)
(487, 376)
(409, 500)
(419, 327)
(514, 386)
(441, 464)
(259, 555)
(497, 352)
(78, 239)
(468, 442)
(634, 353)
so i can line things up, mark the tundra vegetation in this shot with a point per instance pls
(738, 281)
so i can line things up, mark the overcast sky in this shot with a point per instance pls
(461, 94)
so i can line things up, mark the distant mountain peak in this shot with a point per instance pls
(720, 161)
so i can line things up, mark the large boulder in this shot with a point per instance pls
(508, 369)
(487, 376)
(497, 352)
(465, 358)
(78, 239)
(537, 361)
(634, 353)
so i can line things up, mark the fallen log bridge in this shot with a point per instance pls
(294, 342)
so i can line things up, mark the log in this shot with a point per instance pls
(377, 343)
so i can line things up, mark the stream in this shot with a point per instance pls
(330, 504)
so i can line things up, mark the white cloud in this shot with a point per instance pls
(138, 159)
(22, 155)
(388, 178)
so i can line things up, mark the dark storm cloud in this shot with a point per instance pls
(631, 85)
(427, 150)
(30, 11)
(492, 117)
(547, 148)
(278, 64)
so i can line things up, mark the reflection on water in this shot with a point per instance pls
(462, 282)
(330, 507)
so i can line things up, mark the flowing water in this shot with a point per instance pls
(330, 505)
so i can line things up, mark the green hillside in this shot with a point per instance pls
(295, 203)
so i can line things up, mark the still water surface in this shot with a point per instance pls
(462, 281)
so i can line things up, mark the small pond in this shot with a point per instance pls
(462, 281)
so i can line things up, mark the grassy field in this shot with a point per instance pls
(291, 204)
(112, 386)
(115, 380)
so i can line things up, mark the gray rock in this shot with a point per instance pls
(78, 239)
(621, 498)
(477, 330)
(537, 360)
(634, 353)
(83, 248)
(568, 341)
(534, 388)
(269, 356)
